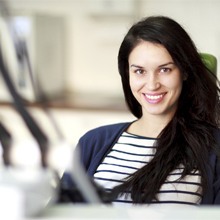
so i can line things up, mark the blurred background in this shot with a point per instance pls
(73, 46)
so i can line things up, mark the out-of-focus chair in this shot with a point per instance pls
(210, 61)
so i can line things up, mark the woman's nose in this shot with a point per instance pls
(152, 81)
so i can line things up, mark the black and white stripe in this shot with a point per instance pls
(132, 152)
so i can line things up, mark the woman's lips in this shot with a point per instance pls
(154, 98)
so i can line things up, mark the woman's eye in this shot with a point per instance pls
(165, 70)
(139, 71)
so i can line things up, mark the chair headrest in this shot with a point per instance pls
(210, 61)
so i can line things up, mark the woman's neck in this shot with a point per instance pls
(148, 126)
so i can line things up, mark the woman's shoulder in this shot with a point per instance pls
(100, 139)
(106, 129)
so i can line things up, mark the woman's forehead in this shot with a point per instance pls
(148, 52)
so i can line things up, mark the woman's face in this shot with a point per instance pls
(155, 80)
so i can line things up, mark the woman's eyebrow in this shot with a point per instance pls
(136, 66)
(162, 65)
(165, 64)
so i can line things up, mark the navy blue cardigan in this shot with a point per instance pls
(96, 143)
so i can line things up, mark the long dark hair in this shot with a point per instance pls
(188, 137)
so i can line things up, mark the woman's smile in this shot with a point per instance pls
(154, 98)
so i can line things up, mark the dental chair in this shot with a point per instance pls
(210, 61)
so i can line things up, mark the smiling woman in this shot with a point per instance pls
(170, 155)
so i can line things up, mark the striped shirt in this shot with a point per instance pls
(130, 153)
